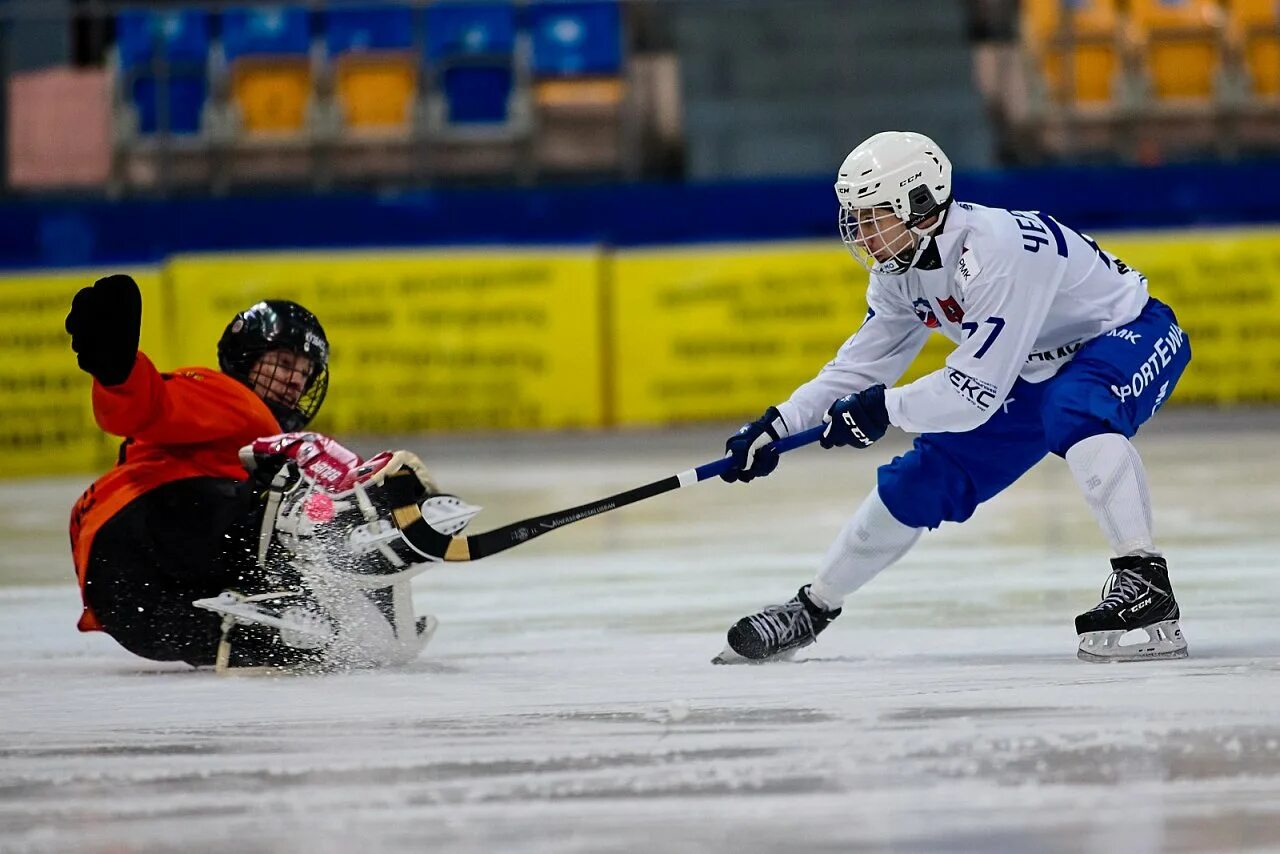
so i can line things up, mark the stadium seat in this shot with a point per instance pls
(162, 75)
(1255, 29)
(471, 49)
(267, 51)
(1075, 46)
(368, 29)
(375, 71)
(574, 40)
(579, 87)
(1181, 47)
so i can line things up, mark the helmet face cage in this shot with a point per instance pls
(863, 228)
(271, 378)
(274, 326)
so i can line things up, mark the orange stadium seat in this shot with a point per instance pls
(271, 94)
(1076, 48)
(1255, 25)
(267, 53)
(1181, 46)
(375, 66)
(376, 92)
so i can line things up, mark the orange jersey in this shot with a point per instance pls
(189, 423)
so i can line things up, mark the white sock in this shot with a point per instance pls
(870, 541)
(1110, 474)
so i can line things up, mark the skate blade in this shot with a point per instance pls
(249, 615)
(728, 656)
(1164, 641)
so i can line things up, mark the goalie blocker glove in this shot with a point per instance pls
(104, 324)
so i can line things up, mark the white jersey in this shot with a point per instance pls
(1017, 291)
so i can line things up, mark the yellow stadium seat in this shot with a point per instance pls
(272, 94)
(1255, 25)
(376, 91)
(1077, 54)
(1182, 43)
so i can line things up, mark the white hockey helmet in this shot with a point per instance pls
(900, 173)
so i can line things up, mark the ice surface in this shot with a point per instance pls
(567, 702)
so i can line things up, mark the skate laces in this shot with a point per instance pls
(1123, 587)
(779, 625)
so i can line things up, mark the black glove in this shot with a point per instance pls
(751, 457)
(856, 419)
(104, 323)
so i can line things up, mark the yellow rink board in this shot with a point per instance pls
(46, 410)
(1224, 286)
(726, 331)
(717, 332)
(423, 341)
(568, 338)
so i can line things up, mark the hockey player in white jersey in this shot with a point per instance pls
(1059, 349)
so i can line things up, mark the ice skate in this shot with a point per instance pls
(268, 633)
(777, 632)
(1138, 595)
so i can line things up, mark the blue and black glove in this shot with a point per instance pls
(104, 324)
(751, 449)
(856, 419)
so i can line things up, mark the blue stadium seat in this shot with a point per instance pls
(180, 40)
(575, 39)
(265, 31)
(472, 48)
(470, 29)
(368, 28)
(477, 94)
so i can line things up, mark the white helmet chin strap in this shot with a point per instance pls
(922, 235)
(899, 262)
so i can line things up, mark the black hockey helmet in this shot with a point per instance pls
(277, 325)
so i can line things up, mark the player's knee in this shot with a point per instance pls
(1066, 423)
(925, 492)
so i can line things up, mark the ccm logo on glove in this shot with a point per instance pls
(856, 420)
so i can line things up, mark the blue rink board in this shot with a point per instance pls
(71, 232)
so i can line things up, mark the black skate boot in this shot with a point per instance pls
(1138, 595)
(777, 632)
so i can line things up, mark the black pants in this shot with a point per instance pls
(186, 540)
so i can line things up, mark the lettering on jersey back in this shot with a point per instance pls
(1034, 228)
